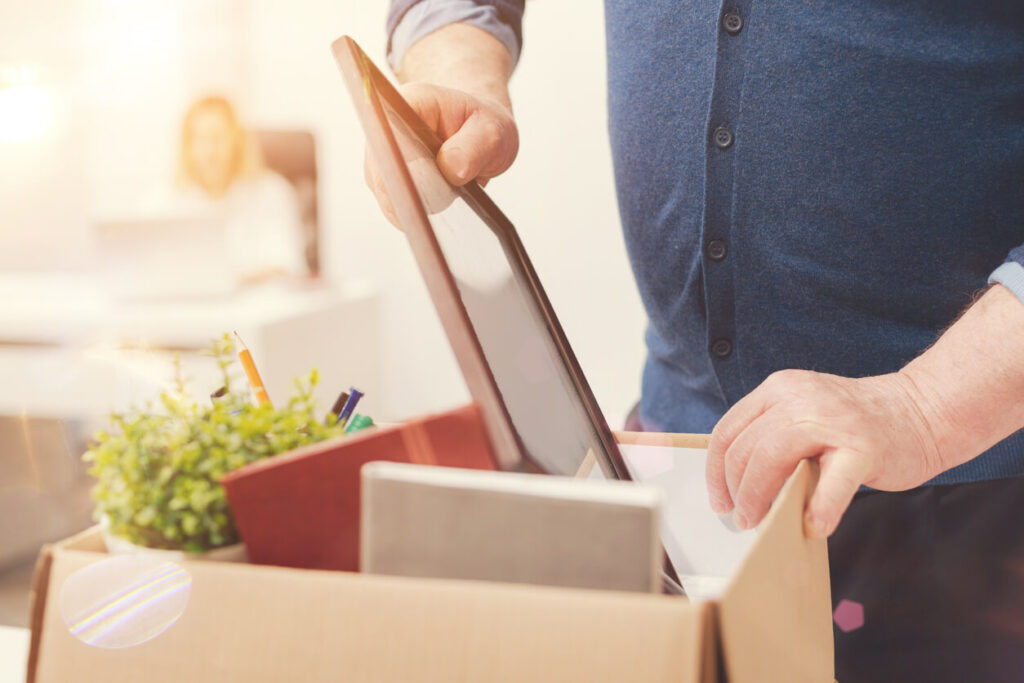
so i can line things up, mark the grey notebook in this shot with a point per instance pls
(499, 526)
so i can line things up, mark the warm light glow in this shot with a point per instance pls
(26, 108)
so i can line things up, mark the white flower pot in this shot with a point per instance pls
(120, 546)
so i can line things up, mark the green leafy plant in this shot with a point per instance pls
(159, 470)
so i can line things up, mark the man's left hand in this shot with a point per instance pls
(868, 431)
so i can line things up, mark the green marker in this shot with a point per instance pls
(358, 422)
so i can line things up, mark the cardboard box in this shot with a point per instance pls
(258, 623)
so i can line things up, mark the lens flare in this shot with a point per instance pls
(124, 601)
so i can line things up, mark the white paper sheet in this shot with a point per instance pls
(705, 548)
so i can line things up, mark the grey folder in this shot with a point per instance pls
(443, 522)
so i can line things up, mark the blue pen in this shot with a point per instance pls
(353, 398)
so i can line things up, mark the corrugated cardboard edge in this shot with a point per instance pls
(711, 652)
(775, 617)
(40, 585)
(40, 589)
(662, 439)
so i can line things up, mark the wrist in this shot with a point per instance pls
(929, 417)
(462, 58)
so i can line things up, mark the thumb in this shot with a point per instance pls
(483, 147)
(842, 473)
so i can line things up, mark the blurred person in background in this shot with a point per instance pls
(221, 173)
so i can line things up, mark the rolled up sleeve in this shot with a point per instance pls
(410, 20)
(1011, 273)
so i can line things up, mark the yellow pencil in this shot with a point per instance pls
(255, 381)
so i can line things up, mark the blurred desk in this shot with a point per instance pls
(67, 349)
(70, 355)
(13, 654)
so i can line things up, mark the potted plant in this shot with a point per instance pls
(158, 470)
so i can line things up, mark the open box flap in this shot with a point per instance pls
(776, 614)
(270, 624)
(91, 539)
(37, 599)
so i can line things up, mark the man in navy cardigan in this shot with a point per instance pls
(824, 208)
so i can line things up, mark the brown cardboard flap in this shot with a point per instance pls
(662, 439)
(89, 540)
(37, 600)
(776, 615)
(270, 624)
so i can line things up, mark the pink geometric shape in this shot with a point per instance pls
(849, 615)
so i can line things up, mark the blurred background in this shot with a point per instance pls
(174, 169)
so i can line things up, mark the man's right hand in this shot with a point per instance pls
(479, 137)
(456, 78)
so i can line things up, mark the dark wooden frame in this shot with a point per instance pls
(368, 86)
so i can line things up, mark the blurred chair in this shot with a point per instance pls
(292, 153)
(44, 487)
(44, 496)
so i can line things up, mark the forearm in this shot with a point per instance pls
(970, 384)
(463, 58)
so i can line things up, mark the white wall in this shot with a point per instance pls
(573, 235)
(42, 179)
(132, 67)
(117, 76)
(559, 193)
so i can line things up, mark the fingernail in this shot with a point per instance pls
(719, 507)
(740, 520)
(459, 163)
(815, 526)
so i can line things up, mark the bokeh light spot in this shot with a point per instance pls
(849, 615)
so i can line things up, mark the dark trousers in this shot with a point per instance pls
(939, 571)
